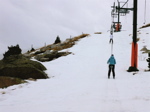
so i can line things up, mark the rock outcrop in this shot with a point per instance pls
(21, 67)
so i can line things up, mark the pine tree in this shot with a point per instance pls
(13, 50)
(57, 40)
(32, 49)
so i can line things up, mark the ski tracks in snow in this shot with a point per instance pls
(111, 100)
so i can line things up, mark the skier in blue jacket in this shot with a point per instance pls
(111, 61)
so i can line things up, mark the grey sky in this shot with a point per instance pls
(36, 22)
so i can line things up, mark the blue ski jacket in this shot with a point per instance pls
(111, 61)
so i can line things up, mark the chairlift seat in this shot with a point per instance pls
(117, 26)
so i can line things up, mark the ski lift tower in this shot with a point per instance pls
(134, 55)
(123, 11)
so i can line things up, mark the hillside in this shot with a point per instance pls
(79, 81)
(29, 22)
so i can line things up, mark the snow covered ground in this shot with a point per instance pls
(79, 81)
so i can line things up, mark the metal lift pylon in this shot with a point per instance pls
(134, 49)
(134, 52)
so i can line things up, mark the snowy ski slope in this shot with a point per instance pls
(79, 81)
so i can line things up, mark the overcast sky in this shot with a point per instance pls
(36, 22)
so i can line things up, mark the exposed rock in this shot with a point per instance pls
(51, 56)
(38, 57)
(47, 52)
(43, 49)
(21, 67)
(50, 52)
(38, 52)
(44, 59)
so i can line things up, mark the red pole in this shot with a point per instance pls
(134, 53)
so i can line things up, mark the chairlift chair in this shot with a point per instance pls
(123, 12)
(117, 26)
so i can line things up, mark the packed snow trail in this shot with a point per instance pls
(80, 83)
